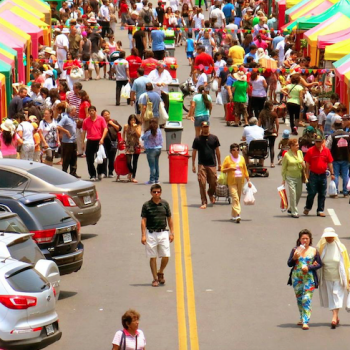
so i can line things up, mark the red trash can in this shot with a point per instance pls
(178, 164)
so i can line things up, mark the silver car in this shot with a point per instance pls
(20, 246)
(78, 196)
(27, 307)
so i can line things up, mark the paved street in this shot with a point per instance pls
(226, 284)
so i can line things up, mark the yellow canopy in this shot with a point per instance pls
(42, 7)
(342, 23)
(291, 3)
(7, 5)
(305, 9)
(337, 51)
(14, 31)
(33, 19)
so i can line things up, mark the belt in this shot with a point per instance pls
(157, 230)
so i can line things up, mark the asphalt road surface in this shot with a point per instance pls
(226, 284)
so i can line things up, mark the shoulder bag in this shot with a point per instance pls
(149, 110)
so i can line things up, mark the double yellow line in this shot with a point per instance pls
(184, 235)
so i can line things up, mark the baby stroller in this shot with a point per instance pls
(256, 152)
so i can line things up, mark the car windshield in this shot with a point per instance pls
(12, 224)
(28, 281)
(48, 213)
(52, 175)
(26, 251)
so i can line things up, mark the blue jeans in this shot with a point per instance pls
(153, 162)
(341, 168)
(317, 185)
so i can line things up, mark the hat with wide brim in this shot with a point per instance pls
(329, 232)
(48, 50)
(240, 76)
(65, 31)
(8, 125)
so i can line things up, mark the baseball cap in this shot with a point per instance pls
(285, 134)
(319, 138)
(204, 124)
(26, 100)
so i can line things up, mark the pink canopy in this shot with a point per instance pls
(323, 25)
(315, 11)
(35, 32)
(339, 80)
(281, 13)
(333, 38)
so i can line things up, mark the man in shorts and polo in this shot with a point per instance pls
(155, 236)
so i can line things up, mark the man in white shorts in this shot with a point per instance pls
(155, 236)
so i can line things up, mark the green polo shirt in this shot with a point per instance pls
(156, 214)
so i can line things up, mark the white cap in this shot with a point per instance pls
(329, 232)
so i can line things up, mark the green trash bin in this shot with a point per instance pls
(169, 37)
(176, 100)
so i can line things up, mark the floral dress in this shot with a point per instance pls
(304, 286)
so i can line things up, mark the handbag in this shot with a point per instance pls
(114, 145)
(100, 55)
(77, 73)
(137, 149)
(121, 142)
(163, 115)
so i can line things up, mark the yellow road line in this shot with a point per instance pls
(191, 303)
(180, 292)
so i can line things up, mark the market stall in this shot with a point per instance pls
(337, 51)
(3, 102)
(5, 48)
(6, 70)
(9, 4)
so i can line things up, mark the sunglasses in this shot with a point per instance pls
(156, 191)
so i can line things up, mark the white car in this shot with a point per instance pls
(22, 247)
(28, 319)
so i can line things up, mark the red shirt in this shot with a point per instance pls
(94, 129)
(124, 8)
(62, 96)
(149, 64)
(70, 64)
(206, 60)
(317, 160)
(83, 105)
(134, 65)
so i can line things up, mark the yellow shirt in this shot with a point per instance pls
(237, 54)
(231, 179)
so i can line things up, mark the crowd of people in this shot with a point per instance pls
(237, 55)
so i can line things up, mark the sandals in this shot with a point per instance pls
(161, 278)
(300, 323)
(155, 283)
(305, 327)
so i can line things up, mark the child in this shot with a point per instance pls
(36, 137)
(189, 47)
(283, 146)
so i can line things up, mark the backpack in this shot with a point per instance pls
(147, 17)
(149, 110)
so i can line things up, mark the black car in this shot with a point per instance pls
(55, 230)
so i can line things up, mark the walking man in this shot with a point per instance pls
(68, 127)
(95, 128)
(155, 215)
(317, 158)
(207, 145)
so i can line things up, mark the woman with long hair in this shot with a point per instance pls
(200, 110)
(9, 139)
(304, 261)
(131, 135)
(247, 42)
(62, 90)
(54, 98)
(258, 93)
(268, 120)
(84, 105)
(49, 136)
(153, 142)
(71, 64)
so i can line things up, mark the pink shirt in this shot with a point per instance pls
(261, 44)
(11, 149)
(94, 129)
(238, 171)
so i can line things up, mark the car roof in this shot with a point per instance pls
(26, 197)
(20, 164)
(9, 238)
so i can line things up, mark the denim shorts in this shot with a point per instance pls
(202, 118)
(189, 54)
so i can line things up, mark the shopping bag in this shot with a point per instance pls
(101, 154)
(125, 93)
(215, 85)
(219, 99)
(332, 189)
(77, 73)
(249, 197)
(348, 185)
(246, 188)
(163, 115)
(347, 307)
(278, 87)
(283, 195)
(91, 65)
(121, 142)
(222, 179)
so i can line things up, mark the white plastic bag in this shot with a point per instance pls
(215, 85)
(101, 154)
(308, 100)
(348, 185)
(278, 87)
(332, 189)
(347, 307)
(249, 197)
(125, 93)
(246, 188)
(91, 65)
(163, 115)
(219, 99)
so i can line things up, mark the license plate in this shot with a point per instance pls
(49, 329)
(87, 200)
(67, 237)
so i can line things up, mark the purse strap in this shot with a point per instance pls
(123, 341)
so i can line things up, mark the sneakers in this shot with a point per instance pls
(149, 183)
(93, 179)
(295, 131)
(237, 219)
(321, 214)
(306, 211)
(111, 176)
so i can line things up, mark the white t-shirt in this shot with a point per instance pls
(218, 65)
(233, 27)
(48, 83)
(130, 340)
(280, 48)
(220, 17)
(202, 79)
(27, 130)
(139, 7)
(49, 131)
(258, 87)
(198, 20)
(253, 132)
(61, 41)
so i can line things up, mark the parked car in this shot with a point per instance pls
(54, 229)
(78, 196)
(20, 246)
(28, 319)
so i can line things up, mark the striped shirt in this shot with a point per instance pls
(130, 340)
(73, 99)
(156, 214)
